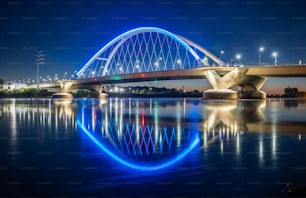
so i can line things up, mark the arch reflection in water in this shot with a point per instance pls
(132, 134)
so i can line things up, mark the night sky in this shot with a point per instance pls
(71, 32)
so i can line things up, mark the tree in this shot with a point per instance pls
(1, 82)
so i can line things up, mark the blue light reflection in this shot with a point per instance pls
(135, 166)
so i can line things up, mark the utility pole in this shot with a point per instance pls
(39, 60)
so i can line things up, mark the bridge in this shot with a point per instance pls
(150, 53)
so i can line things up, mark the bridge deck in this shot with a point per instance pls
(197, 73)
(278, 71)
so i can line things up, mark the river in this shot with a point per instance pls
(162, 147)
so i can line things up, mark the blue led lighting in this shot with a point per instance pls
(135, 31)
(140, 167)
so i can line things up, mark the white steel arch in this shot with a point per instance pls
(146, 49)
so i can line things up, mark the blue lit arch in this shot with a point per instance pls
(120, 55)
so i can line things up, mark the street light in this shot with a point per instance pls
(205, 60)
(156, 63)
(65, 74)
(261, 49)
(179, 62)
(238, 57)
(221, 53)
(274, 54)
(39, 59)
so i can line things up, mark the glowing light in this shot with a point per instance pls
(132, 32)
(117, 78)
(221, 146)
(166, 164)
(142, 117)
(261, 150)
(116, 89)
(274, 54)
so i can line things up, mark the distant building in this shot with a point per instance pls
(13, 86)
(291, 92)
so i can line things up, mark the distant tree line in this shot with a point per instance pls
(25, 93)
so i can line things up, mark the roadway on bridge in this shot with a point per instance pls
(196, 73)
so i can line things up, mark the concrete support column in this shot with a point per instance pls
(65, 86)
(250, 85)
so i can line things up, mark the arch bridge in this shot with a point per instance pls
(150, 53)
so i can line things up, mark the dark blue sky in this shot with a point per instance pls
(70, 32)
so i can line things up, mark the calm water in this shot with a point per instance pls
(151, 148)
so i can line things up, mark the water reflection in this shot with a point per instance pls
(141, 132)
(196, 146)
(152, 134)
(146, 140)
(40, 114)
(291, 103)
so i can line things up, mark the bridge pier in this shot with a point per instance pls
(220, 94)
(62, 96)
(66, 88)
(228, 94)
(223, 83)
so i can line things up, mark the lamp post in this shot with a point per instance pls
(274, 54)
(39, 59)
(261, 49)
(221, 53)
(238, 57)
